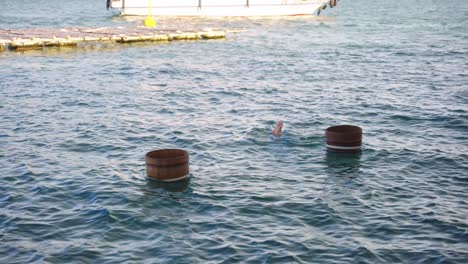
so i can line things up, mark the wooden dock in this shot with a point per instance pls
(27, 39)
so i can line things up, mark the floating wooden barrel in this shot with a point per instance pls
(167, 164)
(344, 138)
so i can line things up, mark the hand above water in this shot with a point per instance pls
(277, 130)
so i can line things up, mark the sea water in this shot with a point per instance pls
(75, 125)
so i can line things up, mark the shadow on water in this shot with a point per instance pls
(343, 164)
(178, 186)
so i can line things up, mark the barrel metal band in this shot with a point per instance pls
(344, 148)
(344, 144)
(166, 166)
(174, 179)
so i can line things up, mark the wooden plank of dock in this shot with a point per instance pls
(39, 38)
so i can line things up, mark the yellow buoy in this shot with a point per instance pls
(149, 21)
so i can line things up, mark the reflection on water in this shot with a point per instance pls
(343, 164)
(177, 186)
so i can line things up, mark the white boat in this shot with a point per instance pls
(220, 8)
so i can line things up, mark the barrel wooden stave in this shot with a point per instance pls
(344, 138)
(167, 164)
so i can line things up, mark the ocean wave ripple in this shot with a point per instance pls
(75, 125)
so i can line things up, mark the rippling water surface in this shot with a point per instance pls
(75, 125)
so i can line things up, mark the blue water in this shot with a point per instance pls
(75, 125)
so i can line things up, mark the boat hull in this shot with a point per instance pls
(219, 8)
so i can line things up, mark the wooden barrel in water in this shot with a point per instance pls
(344, 138)
(167, 164)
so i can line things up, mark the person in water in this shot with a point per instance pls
(277, 131)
